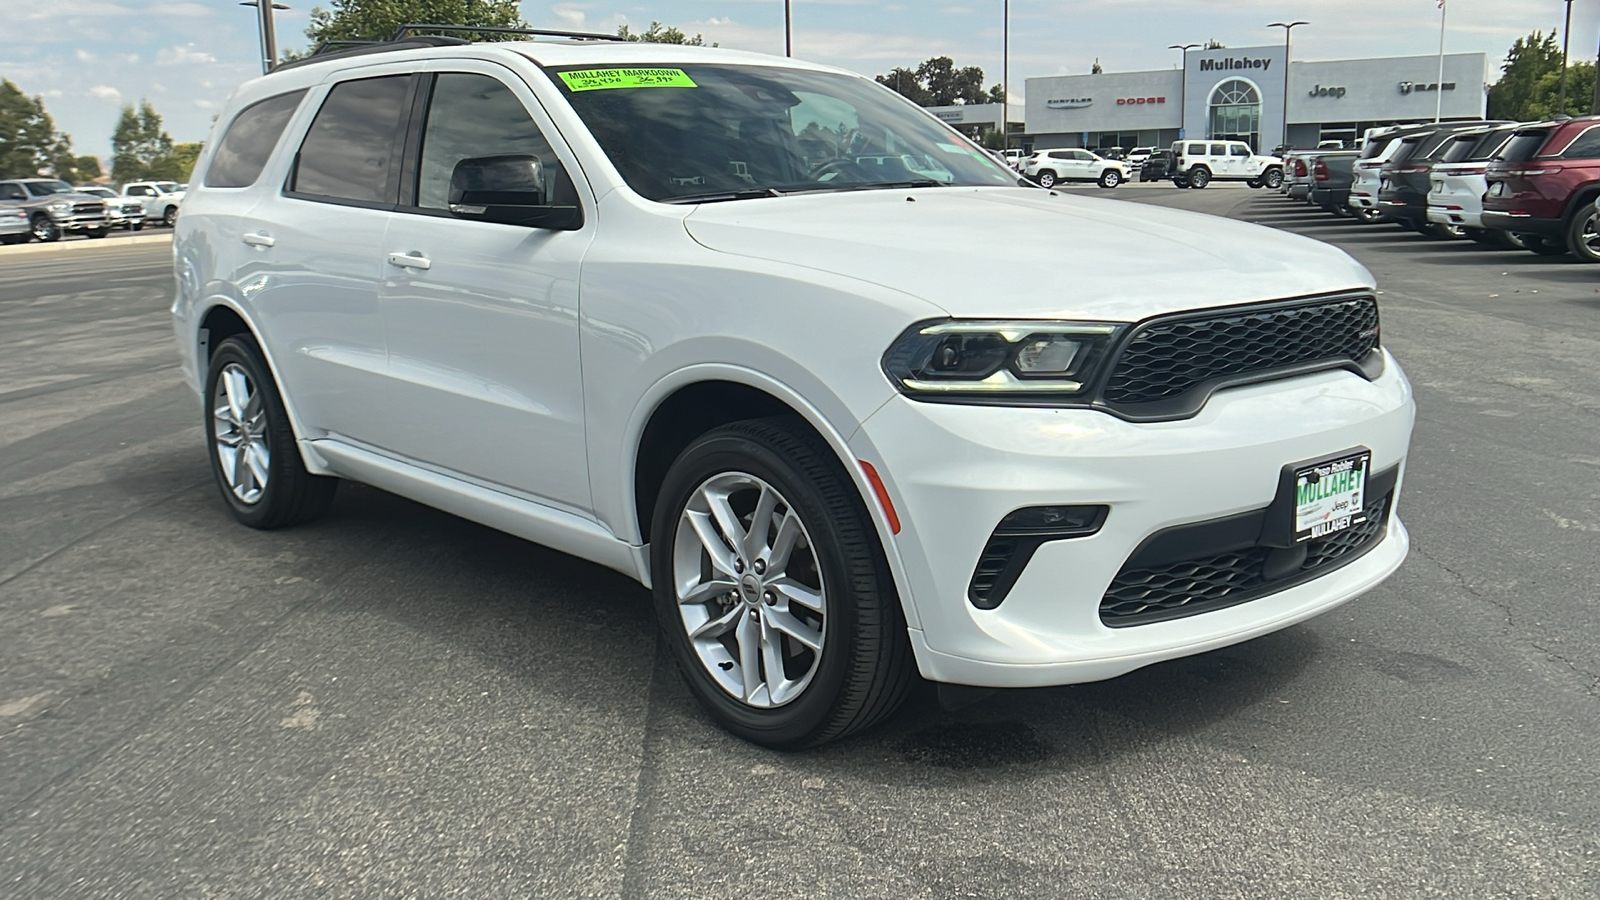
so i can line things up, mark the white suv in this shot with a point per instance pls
(641, 304)
(1196, 164)
(1047, 167)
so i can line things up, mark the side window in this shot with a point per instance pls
(471, 116)
(1081, 155)
(1238, 150)
(138, 191)
(12, 192)
(1219, 150)
(249, 141)
(354, 141)
(1061, 154)
(1195, 150)
(1587, 146)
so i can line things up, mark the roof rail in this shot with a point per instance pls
(341, 49)
(407, 30)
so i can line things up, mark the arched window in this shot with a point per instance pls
(1236, 112)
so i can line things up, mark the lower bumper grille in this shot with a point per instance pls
(1186, 587)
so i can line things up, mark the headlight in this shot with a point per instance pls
(60, 206)
(1032, 361)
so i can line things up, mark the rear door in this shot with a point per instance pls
(482, 317)
(319, 249)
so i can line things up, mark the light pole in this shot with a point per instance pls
(269, 35)
(1005, 76)
(788, 27)
(1183, 86)
(1566, 38)
(1288, 29)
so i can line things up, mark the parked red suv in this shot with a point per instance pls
(1543, 185)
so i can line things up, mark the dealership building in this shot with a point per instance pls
(1239, 94)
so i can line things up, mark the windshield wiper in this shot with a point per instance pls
(873, 185)
(723, 196)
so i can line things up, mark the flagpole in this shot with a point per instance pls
(1438, 89)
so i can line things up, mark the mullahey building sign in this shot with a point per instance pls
(1238, 62)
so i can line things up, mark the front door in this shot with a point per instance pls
(482, 318)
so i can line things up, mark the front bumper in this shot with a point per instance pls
(80, 221)
(955, 471)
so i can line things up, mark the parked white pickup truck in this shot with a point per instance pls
(1198, 163)
(161, 199)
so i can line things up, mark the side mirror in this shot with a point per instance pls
(511, 190)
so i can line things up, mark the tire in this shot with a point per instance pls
(1178, 181)
(169, 217)
(1481, 236)
(136, 227)
(1543, 245)
(1046, 179)
(1253, 184)
(1437, 232)
(13, 239)
(98, 232)
(45, 230)
(1583, 235)
(1272, 178)
(1199, 177)
(1110, 178)
(1368, 214)
(860, 668)
(252, 414)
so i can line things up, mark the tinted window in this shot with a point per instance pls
(356, 136)
(1405, 150)
(244, 149)
(1238, 151)
(12, 192)
(1523, 145)
(1196, 150)
(1375, 148)
(1457, 148)
(1488, 145)
(1082, 155)
(470, 116)
(1587, 146)
(1219, 149)
(1430, 145)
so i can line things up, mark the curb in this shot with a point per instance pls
(89, 244)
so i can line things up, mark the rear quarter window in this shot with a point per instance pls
(1522, 146)
(1585, 146)
(250, 140)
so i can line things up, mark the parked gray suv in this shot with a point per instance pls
(55, 208)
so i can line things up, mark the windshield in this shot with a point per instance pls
(720, 132)
(96, 191)
(46, 188)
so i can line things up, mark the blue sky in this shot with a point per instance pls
(88, 57)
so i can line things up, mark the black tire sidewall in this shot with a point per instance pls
(798, 723)
(1110, 178)
(1581, 251)
(1199, 178)
(285, 465)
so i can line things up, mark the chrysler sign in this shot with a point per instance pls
(1070, 103)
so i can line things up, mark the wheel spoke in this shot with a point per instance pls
(722, 556)
(707, 591)
(237, 389)
(772, 658)
(228, 458)
(719, 625)
(225, 415)
(230, 438)
(748, 634)
(256, 456)
(796, 592)
(783, 543)
(788, 624)
(755, 540)
(241, 469)
(726, 519)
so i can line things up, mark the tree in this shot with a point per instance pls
(76, 169)
(183, 158)
(997, 94)
(938, 82)
(140, 150)
(1214, 44)
(656, 34)
(1545, 96)
(29, 142)
(377, 20)
(1529, 60)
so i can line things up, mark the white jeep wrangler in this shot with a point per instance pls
(1198, 163)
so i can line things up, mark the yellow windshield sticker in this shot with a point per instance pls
(606, 79)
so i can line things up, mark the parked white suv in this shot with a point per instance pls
(161, 199)
(1198, 163)
(1047, 167)
(640, 303)
(1458, 181)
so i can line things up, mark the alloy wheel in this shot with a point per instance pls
(239, 426)
(749, 591)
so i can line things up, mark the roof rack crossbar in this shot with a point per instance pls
(406, 30)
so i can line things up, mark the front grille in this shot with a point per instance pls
(1138, 596)
(1167, 358)
(89, 209)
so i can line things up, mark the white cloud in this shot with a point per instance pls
(84, 55)
(106, 92)
(177, 56)
(571, 16)
(204, 104)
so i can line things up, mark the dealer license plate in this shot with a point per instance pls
(1330, 497)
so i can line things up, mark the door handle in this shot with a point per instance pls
(257, 240)
(408, 261)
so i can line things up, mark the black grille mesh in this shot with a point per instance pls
(1192, 586)
(1166, 358)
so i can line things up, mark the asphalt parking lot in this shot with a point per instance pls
(397, 703)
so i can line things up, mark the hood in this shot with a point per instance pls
(1024, 253)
